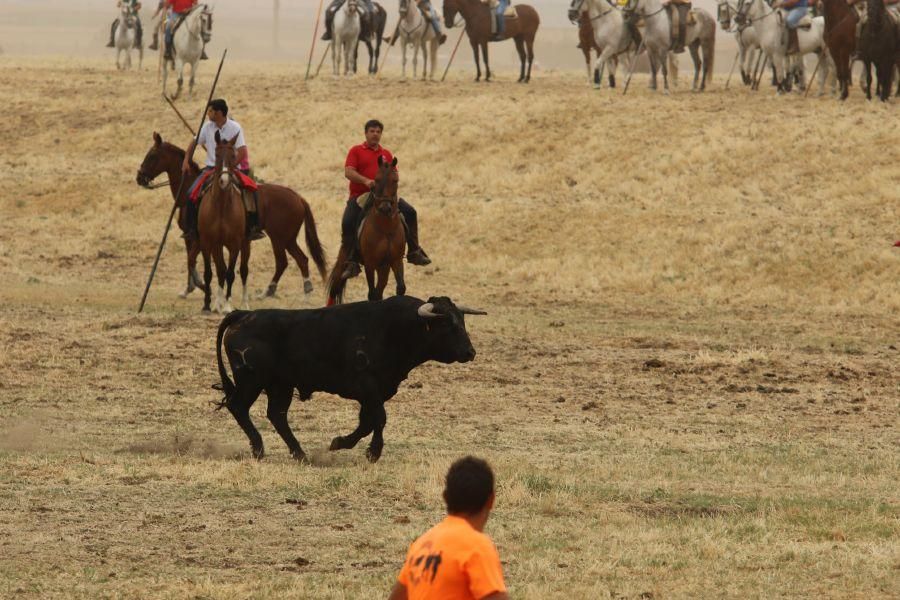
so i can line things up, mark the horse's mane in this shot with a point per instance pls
(180, 153)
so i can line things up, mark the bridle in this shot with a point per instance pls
(743, 8)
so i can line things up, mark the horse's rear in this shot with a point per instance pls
(222, 225)
(523, 30)
(282, 213)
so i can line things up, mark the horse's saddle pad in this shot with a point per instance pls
(673, 18)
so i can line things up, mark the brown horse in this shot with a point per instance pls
(222, 224)
(477, 15)
(840, 37)
(282, 213)
(382, 240)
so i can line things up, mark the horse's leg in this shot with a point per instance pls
(415, 59)
(370, 279)
(587, 64)
(245, 270)
(303, 263)
(613, 67)
(397, 268)
(434, 51)
(529, 47)
(191, 253)
(233, 252)
(207, 281)
(477, 61)
(695, 57)
(487, 64)
(520, 48)
(191, 80)
(280, 265)
(654, 67)
(403, 49)
(383, 272)
(663, 59)
(141, 57)
(218, 255)
(334, 55)
(867, 66)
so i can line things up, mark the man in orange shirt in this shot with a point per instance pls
(454, 560)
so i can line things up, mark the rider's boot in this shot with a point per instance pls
(190, 222)
(329, 22)
(415, 255)
(112, 35)
(352, 268)
(203, 55)
(254, 231)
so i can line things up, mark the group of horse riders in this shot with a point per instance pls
(360, 168)
(176, 11)
(367, 18)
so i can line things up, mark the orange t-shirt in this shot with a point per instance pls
(452, 561)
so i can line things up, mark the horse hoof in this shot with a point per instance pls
(307, 287)
(205, 311)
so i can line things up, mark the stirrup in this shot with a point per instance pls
(256, 233)
(418, 257)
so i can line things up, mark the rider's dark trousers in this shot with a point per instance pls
(353, 213)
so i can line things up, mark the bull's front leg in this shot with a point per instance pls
(364, 428)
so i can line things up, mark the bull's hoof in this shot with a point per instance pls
(300, 457)
(372, 455)
(337, 444)
(259, 453)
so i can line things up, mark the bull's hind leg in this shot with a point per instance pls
(279, 403)
(366, 425)
(239, 407)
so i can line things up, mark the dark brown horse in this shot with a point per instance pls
(840, 37)
(382, 240)
(878, 45)
(282, 213)
(477, 15)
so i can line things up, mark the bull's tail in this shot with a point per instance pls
(312, 240)
(227, 385)
(335, 288)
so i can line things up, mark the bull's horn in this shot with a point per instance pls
(427, 311)
(470, 311)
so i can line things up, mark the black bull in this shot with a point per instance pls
(360, 351)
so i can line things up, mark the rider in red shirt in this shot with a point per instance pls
(360, 169)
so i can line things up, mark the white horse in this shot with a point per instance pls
(610, 34)
(416, 31)
(126, 34)
(657, 37)
(744, 35)
(345, 35)
(768, 24)
(187, 47)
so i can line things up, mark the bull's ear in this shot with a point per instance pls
(394, 162)
(157, 139)
(218, 138)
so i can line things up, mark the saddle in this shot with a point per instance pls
(509, 14)
(678, 32)
(247, 184)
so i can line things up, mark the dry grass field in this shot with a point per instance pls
(687, 383)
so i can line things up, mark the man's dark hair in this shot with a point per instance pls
(373, 123)
(220, 105)
(470, 483)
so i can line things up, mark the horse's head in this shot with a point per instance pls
(575, 9)
(451, 7)
(128, 17)
(384, 194)
(723, 14)
(404, 8)
(206, 23)
(155, 162)
(351, 7)
(742, 14)
(226, 161)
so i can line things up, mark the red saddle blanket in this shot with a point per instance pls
(246, 183)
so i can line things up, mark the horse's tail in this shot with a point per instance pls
(312, 239)
(227, 385)
(334, 289)
(710, 51)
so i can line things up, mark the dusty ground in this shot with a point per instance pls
(687, 383)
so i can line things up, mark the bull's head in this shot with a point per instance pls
(448, 341)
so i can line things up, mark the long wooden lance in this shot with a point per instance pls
(756, 69)
(453, 54)
(322, 62)
(312, 48)
(632, 66)
(180, 116)
(733, 65)
(394, 38)
(162, 243)
(811, 79)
